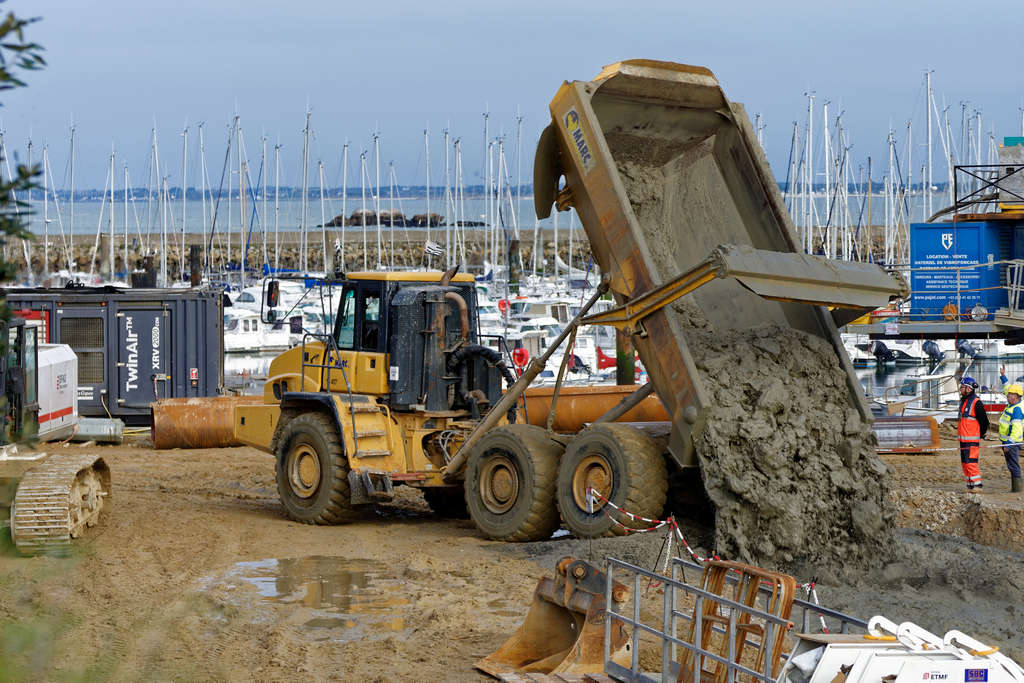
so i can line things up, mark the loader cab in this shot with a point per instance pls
(358, 326)
(19, 380)
(395, 333)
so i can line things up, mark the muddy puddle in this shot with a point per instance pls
(329, 598)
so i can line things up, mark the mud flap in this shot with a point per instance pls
(370, 487)
(564, 630)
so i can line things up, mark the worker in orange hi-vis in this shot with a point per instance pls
(971, 425)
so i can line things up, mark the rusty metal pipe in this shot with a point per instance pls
(579, 406)
(627, 404)
(463, 311)
(206, 422)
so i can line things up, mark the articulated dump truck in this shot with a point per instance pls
(404, 392)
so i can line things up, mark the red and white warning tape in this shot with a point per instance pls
(955, 449)
(593, 496)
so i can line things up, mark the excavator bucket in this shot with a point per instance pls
(563, 632)
(901, 434)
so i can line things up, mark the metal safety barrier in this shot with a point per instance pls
(673, 617)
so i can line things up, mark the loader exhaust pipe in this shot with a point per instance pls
(463, 311)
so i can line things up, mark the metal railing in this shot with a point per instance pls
(675, 587)
(1014, 286)
(929, 398)
(978, 186)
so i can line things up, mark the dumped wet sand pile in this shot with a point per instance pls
(785, 457)
(786, 460)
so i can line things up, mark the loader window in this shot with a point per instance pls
(370, 308)
(31, 364)
(345, 332)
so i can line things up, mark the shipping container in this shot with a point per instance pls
(133, 345)
(956, 263)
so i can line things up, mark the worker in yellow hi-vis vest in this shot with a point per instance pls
(1011, 433)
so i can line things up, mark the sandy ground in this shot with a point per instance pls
(197, 575)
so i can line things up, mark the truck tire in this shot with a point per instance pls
(624, 465)
(510, 483)
(312, 471)
(446, 502)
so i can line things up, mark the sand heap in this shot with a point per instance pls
(785, 458)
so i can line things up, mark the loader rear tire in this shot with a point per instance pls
(447, 502)
(510, 483)
(312, 471)
(625, 466)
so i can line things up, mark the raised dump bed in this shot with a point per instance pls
(663, 169)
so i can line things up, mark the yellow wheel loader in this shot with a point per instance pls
(404, 391)
(387, 399)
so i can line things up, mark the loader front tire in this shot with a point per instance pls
(312, 471)
(621, 463)
(510, 483)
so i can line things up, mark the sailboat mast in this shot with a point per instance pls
(277, 206)
(163, 210)
(184, 199)
(871, 244)
(459, 229)
(323, 214)
(46, 216)
(127, 269)
(447, 196)
(519, 169)
(305, 193)
(28, 254)
(376, 197)
(809, 173)
(202, 186)
(554, 216)
(163, 229)
(111, 245)
(426, 150)
(344, 199)
(72, 260)
(928, 107)
(494, 216)
(243, 241)
(362, 192)
(231, 175)
(486, 168)
(263, 218)
(391, 209)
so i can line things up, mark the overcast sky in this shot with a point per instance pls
(117, 66)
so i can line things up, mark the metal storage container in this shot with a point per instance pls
(133, 345)
(941, 260)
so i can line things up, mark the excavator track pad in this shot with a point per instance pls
(57, 501)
